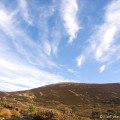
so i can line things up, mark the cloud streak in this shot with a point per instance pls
(69, 12)
(104, 40)
(23, 43)
(21, 76)
(80, 60)
(103, 43)
(23, 58)
(102, 68)
(24, 11)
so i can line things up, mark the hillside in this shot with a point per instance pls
(72, 100)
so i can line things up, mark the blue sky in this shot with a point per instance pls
(49, 41)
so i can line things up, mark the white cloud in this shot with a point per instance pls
(104, 40)
(104, 44)
(56, 37)
(69, 11)
(24, 11)
(50, 36)
(23, 44)
(102, 68)
(80, 60)
(22, 76)
(23, 58)
(9, 87)
(47, 48)
(71, 71)
(6, 22)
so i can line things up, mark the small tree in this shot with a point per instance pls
(32, 109)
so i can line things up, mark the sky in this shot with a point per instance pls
(50, 41)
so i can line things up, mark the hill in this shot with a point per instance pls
(73, 101)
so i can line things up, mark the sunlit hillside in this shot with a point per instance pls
(64, 101)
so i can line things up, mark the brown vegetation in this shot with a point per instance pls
(65, 101)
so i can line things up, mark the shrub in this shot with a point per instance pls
(15, 113)
(74, 108)
(5, 113)
(32, 109)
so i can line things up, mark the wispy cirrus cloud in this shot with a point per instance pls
(23, 76)
(69, 12)
(104, 41)
(47, 48)
(25, 11)
(80, 60)
(74, 72)
(29, 46)
(21, 41)
(50, 36)
(6, 22)
(23, 58)
(102, 68)
(56, 39)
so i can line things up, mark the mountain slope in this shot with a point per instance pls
(82, 99)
